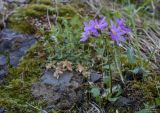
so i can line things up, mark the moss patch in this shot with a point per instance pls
(46, 2)
(21, 20)
(21, 26)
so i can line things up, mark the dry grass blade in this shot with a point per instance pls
(94, 109)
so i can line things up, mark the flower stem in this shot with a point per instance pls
(116, 62)
(110, 72)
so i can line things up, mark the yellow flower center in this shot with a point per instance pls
(114, 32)
(97, 27)
(89, 33)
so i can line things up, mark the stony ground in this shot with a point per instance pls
(32, 84)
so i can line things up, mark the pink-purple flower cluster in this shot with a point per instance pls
(95, 27)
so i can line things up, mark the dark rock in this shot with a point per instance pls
(18, 1)
(14, 60)
(60, 93)
(3, 67)
(2, 60)
(123, 102)
(15, 45)
(2, 110)
(63, 80)
(6, 45)
(95, 77)
(2, 9)
(2, 73)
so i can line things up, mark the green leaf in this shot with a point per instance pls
(130, 56)
(113, 99)
(75, 21)
(147, 109)
(98, 98)
(106, 67)
(95, 92)
(106, 80)
(158, 101)
(144, 111)
(117, 89)
(138, 70)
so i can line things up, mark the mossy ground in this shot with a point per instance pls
(15, 94)
(19, 20)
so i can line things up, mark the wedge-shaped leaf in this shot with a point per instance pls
(106, 67)
(107, 80)
(113, 99)
(144, 111)
(130, 56)
(95, 92)
(139, 70)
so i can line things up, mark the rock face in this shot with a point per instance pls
(124, 102)
(60, 93)
(2, 110)
(17, 1)
(95, 77)
(13, 46)
(2, 10)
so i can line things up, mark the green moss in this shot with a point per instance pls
(35, 10)
(21, 26)
(46, 2)
(148, 87)
(20, 20)
(16, 93)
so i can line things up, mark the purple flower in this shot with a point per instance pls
(89, 26)
(88, 30)
(117, 34)
(85, 36)
(121, 24)
(101, 24)
(94, 28)
(118, 30)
